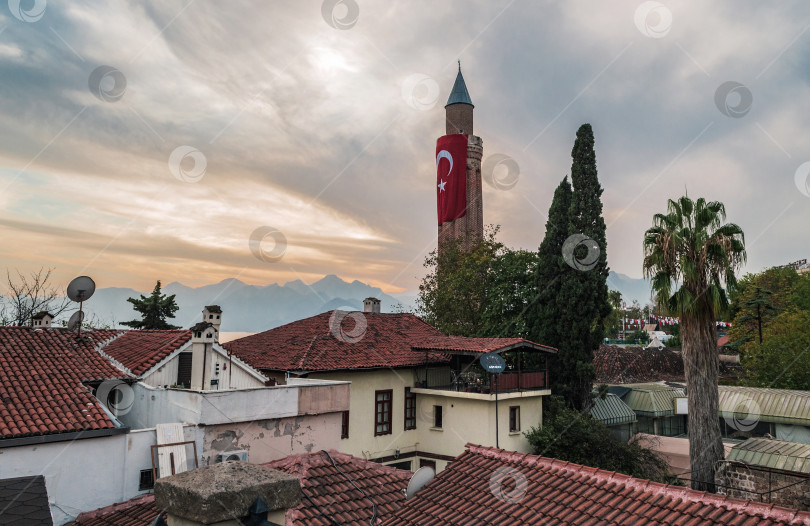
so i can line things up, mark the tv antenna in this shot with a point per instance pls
(422, 476)
(80, 290)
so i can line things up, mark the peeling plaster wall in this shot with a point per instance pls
(267, 440)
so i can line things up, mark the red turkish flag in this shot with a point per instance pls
(451, 177)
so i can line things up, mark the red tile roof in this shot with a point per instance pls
(338, 340)
(140, 511)
(332, 494)
(41, 375)
(140, 350)
(620, 365)
(488, 486)
(464, 344)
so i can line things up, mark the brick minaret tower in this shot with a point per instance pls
(459, 119)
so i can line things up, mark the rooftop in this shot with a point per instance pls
(459, 93)
(339, 340)
(24, 501)
(772, 453)
(652, 399)
(43, 376)
(140, 511)
(619, 365)
(141, 350)
(781, 406)
(476, 346)
(328, 491)
(611, 410)
(492, 486)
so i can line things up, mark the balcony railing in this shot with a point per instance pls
(474, 382)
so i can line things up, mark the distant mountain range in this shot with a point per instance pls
(252, 308)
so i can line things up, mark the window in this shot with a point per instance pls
(146, 481)
(382, 412)
(184, 369)
(410, 409)
(514, 419)
(405, 464)
(437, 416)
(344, 426)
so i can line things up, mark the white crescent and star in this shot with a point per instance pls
(444, 154)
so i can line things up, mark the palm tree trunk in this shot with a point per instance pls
(701, 365)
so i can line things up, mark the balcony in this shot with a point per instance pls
(473, 381)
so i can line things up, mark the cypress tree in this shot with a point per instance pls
(550, 270)
(583, 300)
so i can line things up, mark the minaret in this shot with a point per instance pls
(459, 119)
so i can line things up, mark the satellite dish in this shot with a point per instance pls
(75, 320)
(493, 363)
(418, 480)
(81, 288)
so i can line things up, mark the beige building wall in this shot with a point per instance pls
(467, 417)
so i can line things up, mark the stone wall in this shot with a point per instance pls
(788, 489)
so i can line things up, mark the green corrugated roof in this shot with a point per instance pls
(774, 454)
(653, 399)
(779, 406)
(612, 411)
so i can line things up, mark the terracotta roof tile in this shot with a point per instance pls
(475, 345)
(140, 511)
(339, 340)
(141, 350)
(506, 488)
(335, 496)
(41, 381)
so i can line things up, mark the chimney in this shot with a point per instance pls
(371, 305)
(212, 314)
(227, 494)
(203, 336)
(41, 320)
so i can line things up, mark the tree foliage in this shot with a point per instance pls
(482, 292)
(575, 437)
(782, 360)
(690, 254)
(770, 292)
(155, 309)
(573, 302)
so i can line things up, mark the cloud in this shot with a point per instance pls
(304, 128)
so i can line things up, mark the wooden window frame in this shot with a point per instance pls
(410, 409)
(383, 407)
(438, 417)
(514, 419)
(344, 425)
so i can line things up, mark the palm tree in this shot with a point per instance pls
(690, 254)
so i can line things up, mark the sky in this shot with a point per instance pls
(195, 140)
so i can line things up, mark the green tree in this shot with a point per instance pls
(575, 437)
(551, 270)
(154, 308)
(613, 323)
(690, 254)
(482, 292)
(583, 300)
(782, 360)
(759, 298)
